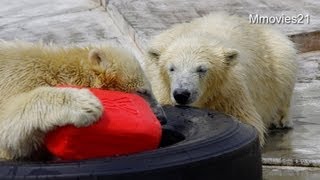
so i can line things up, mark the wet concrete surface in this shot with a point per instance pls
(60, 21)
(288, 154)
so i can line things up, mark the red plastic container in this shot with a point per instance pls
(127, 126)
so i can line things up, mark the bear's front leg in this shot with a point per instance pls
(247, 114)
(239, 105)
(25, 118)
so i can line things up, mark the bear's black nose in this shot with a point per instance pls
(181, 96)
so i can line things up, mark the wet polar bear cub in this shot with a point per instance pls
(31, 105)
(224, 63)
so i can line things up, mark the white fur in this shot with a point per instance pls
(250, 74)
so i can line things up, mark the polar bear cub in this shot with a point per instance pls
(224, 63)
(31, 104)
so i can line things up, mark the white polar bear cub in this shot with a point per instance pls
(223, 62)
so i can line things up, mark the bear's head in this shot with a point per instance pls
(121, 71)
(194, 66)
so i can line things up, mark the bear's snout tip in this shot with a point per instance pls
(182, 96)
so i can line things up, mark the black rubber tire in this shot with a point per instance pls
(215, 147)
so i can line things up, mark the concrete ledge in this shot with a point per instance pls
(290, 173)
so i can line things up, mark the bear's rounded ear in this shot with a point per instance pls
(158, 45)
(98, 57)
(230, 56)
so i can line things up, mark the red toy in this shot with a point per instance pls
(127, 126)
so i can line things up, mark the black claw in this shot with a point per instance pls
(162, 119)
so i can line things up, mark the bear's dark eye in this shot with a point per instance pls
(201, 69)
(171, 69)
